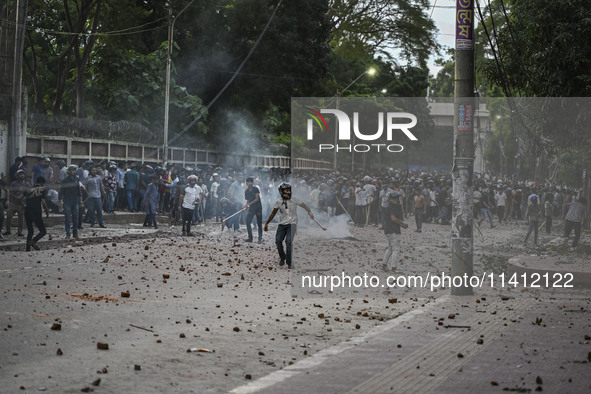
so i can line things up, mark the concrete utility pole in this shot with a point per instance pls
(463, 164)
(171, 21)
(17, 72)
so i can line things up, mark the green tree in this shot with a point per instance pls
(383, 28)
(539, 47)
(292, 56)
(85, 58)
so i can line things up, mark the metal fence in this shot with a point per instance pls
(74, 150)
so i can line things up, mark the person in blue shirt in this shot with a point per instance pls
(150, 202)
(132, 178)
(37, 170)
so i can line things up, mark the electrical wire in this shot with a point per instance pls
(288, 77)
(122, 32)
(212, 102)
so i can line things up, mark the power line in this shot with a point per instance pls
(122, 32)
(238, 70)
(258, 75)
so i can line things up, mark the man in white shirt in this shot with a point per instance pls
(188, 198)
(500, 199)
(288, 221)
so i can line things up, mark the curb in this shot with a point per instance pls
(580, 279)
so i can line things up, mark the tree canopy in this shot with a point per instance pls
(106, 59)
(536, 49)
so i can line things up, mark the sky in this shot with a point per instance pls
(443, 14)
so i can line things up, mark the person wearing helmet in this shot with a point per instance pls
(288, 220)
(532, 215)
(190, 196)
(72, 197)
(392, 223)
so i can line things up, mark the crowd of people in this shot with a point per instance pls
(84, 192)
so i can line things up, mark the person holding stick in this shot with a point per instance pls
(288, 221)
(252, 195)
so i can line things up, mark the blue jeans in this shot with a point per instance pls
(249, 216)
(442, 214)
(197, 214)
(71, 213)
(485, 213)
(131, 200)
(533, 226)
(570, 226)
(111, 195)
(285, 232)
(419, 213)
(139, 198)
(235, 221)
(150, 219)
(95, 207)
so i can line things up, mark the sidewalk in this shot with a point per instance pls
(121, 224)
(490, 345)
(554, 262)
